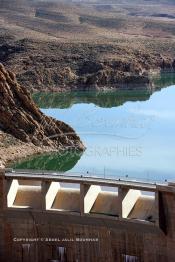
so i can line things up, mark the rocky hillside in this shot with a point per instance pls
(61, 46)
(60, 67)
(21, 118)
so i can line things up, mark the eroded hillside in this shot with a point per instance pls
(62, 46)
(21, 121)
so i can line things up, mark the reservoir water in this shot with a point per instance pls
(127, 134)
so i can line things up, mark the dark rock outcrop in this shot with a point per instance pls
(20, 117)
(62, 67)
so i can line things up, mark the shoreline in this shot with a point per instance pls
(123, 86)
(20, 150)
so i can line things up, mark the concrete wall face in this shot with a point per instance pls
(49, 236)
(112, 245)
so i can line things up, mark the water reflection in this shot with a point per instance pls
(104, 99)
(125, 132)
(164, 80)
(57, 161)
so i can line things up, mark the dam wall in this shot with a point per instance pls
(47, 217)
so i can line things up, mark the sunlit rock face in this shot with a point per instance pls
(20, 117)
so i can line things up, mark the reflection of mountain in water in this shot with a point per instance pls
(101, 99)
(105, 99)
(164, 80)
(61, 162)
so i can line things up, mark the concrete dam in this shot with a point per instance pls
(46, 217)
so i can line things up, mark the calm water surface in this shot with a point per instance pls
(127, 134)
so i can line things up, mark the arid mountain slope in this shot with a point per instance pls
(61, 46)
(21, 118)
(60, 67)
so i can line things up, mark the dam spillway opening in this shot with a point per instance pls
(81, 198)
